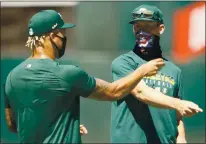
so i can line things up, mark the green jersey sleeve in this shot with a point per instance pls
(84, 84)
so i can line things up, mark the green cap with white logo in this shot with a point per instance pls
(46, 21)
(146, 13)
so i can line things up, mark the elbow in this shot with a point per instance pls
(138, 94)
(116, 93)
(141, 97)
(114, 96)
(117, 96)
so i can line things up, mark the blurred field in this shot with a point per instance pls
(102, 34)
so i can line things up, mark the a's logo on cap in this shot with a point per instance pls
(142, 10)
(54, 26)
(31, 32)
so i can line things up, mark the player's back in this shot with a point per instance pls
(44, 101)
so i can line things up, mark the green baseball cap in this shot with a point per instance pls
(46, 21)
(146, 13)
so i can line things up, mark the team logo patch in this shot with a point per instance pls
(160, 82)
(142, 10)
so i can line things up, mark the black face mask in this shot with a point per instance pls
(60, 51)
(151, 51)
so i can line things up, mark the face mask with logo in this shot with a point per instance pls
(144, 39)
(61, 50)
(147, 45)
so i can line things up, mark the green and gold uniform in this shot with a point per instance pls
(44, 97)
(135, 122)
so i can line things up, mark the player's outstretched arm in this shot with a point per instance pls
(106, 91)
(157, 99)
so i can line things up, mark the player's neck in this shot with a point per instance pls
(42, 53)
(151, 53)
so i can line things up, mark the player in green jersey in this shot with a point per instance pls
(42, 96)
(132, 120)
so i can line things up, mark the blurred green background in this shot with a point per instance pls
(102, 33)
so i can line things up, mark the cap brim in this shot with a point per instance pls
(68, 25)
(141, 19)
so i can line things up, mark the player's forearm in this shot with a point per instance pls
(181, 129)
(113, 91)
(154, 98)
(10, 121)
(181, 137)
(124, 86)
(180, 126)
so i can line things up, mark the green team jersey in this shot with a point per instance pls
(135, 122)
(44, 97)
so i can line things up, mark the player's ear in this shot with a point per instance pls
(161, 28)
(51, 35)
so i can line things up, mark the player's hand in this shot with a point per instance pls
(187, 108)
(153, 66)
(181, 140)
(83, 130)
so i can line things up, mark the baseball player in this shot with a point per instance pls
(132, 120)
(42, 96)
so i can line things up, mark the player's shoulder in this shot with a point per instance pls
(8, 78)
(17, 70)
(172, 66)
(124, 58)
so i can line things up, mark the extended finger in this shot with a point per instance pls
(160, 64)
(196, 107)
(159, 60)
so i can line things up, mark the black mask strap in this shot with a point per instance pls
(58, 50)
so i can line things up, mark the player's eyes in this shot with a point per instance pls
(136, 28)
